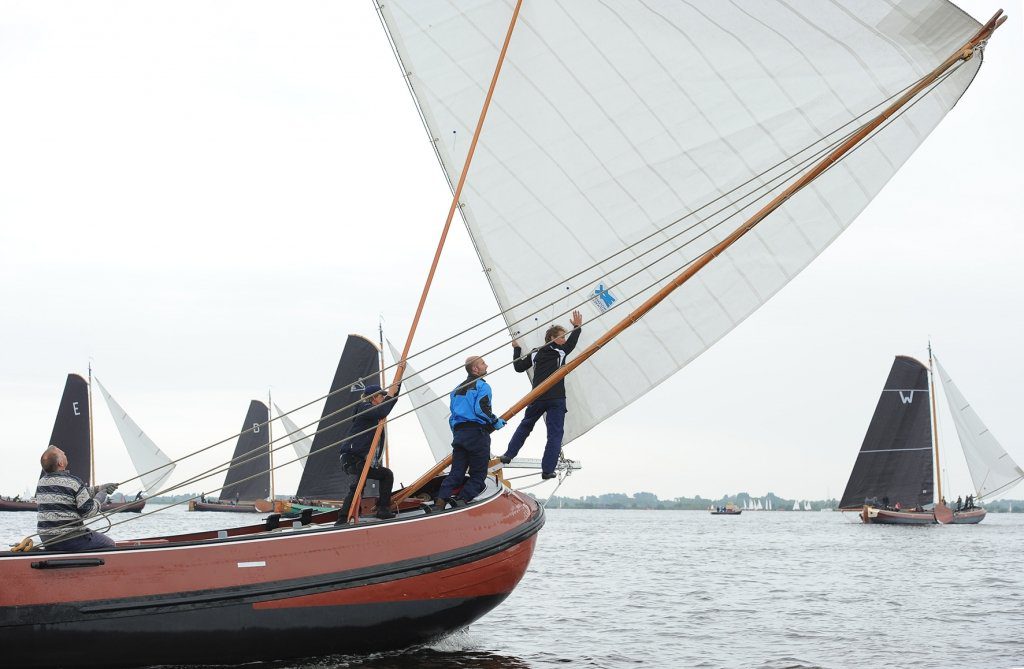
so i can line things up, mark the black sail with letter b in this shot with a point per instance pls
(251, 459)
(895, 460)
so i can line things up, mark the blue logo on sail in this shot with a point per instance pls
(603, 298)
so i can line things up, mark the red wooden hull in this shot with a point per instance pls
(108, 507)
(296, 592)
(888, 517)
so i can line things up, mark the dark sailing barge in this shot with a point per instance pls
(285, 593)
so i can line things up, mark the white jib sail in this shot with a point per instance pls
(615, 123)
(432, 413)
(145, 455)
(992, 469)
(300, 442)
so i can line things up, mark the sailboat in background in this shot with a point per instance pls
(72, 433)
(248, 481)
(895, 479)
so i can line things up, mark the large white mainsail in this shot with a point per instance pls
(149, 461)
(431, 412)
(612, 120)
(992, 469)
(300, 442)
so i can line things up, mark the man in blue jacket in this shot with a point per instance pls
(472, 422)
(375, 407)
(545, 361)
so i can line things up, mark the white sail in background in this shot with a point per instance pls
(796, 506)
(613, 120)
(300, 442)
(432, 412)
(992, 469)
(145, 455)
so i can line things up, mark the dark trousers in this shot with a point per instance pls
(353, 465)
(471, 449)
(87, 542)
(553, 411)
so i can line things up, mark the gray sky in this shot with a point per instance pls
(204, 199)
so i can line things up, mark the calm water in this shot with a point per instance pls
(766, 590)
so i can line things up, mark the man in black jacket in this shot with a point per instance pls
(376, 406)
(545, 361)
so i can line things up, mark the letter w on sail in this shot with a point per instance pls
(906, 394)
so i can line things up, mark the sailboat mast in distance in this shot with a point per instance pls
(270, 444)
(935, 424)
(92, 450)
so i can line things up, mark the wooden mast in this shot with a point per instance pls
(963, 53)
(270, 447)
(92, 451)
(380, 339)
(935, 424)
(353, 511)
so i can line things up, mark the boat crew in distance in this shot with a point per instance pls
(545, 361)
(375, 407)
(472, 422)
(64, 502)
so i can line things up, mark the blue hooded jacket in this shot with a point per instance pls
(471, 403)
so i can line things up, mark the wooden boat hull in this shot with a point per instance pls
(135, 506)
(875, 516)
(242, 507)
(108, 507)
(10, 505)
(972, 517)
(260, 596)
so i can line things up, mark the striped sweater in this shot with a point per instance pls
(64, 501)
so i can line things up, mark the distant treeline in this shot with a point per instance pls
(648, 500)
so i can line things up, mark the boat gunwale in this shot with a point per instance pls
(280, 533)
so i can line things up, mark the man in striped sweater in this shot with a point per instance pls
(64, 502)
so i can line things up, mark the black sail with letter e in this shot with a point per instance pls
(71, 427)
(895, 460)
